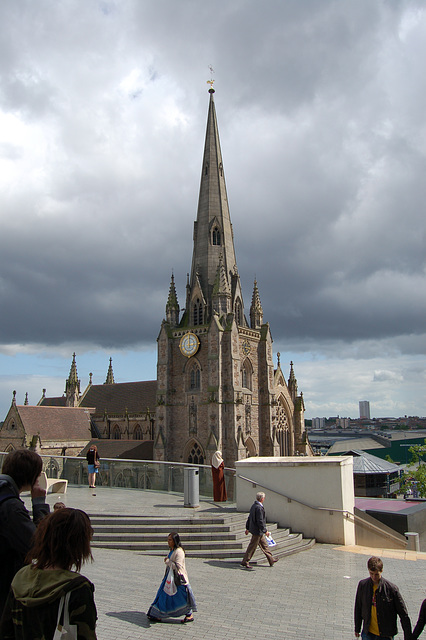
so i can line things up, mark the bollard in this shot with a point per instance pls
(191, 487)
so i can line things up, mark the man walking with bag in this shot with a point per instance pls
(256, 525)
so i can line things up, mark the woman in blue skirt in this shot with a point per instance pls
(182, 602)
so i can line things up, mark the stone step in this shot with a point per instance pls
(235, 520)
(136, 535)
(212, 536)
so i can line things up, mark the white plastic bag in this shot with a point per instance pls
(169, 585)
(271, 542)
(65, 631)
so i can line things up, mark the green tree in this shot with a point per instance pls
(416, 470)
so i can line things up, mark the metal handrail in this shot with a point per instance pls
(290, 499)
(346, 512)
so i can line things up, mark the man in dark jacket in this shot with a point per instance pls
(20, 472)
(377, 604)
(256, 525)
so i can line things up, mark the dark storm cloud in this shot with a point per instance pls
(321, 116)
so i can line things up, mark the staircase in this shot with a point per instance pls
(203, 536)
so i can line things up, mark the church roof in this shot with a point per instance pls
(136, 397)
(55, 423)
(60, 401)
(124, 449)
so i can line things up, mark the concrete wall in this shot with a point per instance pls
(316, 481)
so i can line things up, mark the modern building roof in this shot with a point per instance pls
(339, 447)
(367, 463)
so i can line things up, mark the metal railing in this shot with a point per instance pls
(345, 512)
(144, 475)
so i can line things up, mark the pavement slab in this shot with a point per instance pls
(307, 596)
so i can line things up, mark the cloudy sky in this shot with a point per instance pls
(321, 107)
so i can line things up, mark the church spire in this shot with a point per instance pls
(72, 386)
(172, 306)
(213, 237)
(256, 311)
(221, 295)
(292, 383)
(110, 374)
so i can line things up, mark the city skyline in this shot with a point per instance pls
(102, 115)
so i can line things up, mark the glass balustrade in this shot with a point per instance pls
(145, 475)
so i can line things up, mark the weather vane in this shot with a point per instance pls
(211, 81)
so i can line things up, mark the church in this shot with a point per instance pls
(217, 386)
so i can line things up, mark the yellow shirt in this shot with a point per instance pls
(374, 626)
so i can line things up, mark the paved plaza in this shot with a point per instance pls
(306, 596)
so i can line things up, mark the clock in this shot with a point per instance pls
(246, 347)
(189, 344)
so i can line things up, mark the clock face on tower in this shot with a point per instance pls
(189, 344)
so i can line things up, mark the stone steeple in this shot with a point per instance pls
(256, 311)
(292, 383)
(172, 306)
(110, 374)
(72, 386)
(221, 295)
(213, 236)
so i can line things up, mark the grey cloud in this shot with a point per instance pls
(324, 152)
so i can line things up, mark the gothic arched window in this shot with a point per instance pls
(246, 374)
(197, 312)
(196, 455)
(216, 236)
(137, 433)
(194, 382)
(116, 433)
(239, 313)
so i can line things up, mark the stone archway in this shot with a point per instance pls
(250, 448)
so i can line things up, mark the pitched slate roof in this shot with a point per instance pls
(56, 423)
(124, 449)
(136, 397)
(53, 402)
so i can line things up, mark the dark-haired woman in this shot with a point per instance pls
(62, 541)
(182, 602)
(93, 464)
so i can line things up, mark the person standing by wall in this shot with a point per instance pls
(256, 525)
(219, 487)
(93, 464)
(20, 472)
(378, 602)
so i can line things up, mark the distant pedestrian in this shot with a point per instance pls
(421, 622)
(174, 597)
(59, 505)
(256, 525)
(93, 464)
(21, 472)
(378, 602)
(219, 487)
